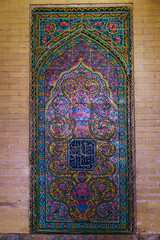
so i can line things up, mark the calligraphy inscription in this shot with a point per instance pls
(82, 154)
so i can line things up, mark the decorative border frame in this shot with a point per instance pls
(130, 123)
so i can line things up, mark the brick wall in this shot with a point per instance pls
(14, 111)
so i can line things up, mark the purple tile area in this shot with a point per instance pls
(81, 141)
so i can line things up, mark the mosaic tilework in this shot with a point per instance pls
(81, 141)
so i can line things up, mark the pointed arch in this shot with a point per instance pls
(81, 32)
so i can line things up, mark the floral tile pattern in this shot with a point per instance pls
(82, 138)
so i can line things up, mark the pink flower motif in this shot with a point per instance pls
(104, 91)
(64, 161)
(58, 168)
(88, 115)
(95, 183)
(113, 217)
(81, 80)
(73, 74)
(114, 178)
(66, 172)
(65, 225)
(95, 24)
(81, 106)
(73, 115)
(104, 130)
(82, 192)
(90, 193)
(62, 106)
(56, 207)
(61, 212)
(50, 217)
(69, 183)
(57, 148)
(41, 182)
(91, 204)
(118, 41)
(114, 204)
(64, 24)
(50, 203)
(81, 114)
(62, 187)
(108, 195)
(100, 24)
(73, 204)
(59, 130)
(82, 185)
(71, 95)
(100, 106)
(81, 128)
(74, 193)
(74, 100)
(92, 88)
(106, 148)
(115, 118)
(76, 134)
(96, 132)
(88, 74)
(56, 194)
(49, 178)
(66, 132)
(81, 92)
(101, 187)
(44, 40)
(52, 26)
(70, 88)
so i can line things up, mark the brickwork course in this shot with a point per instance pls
(14, 112)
